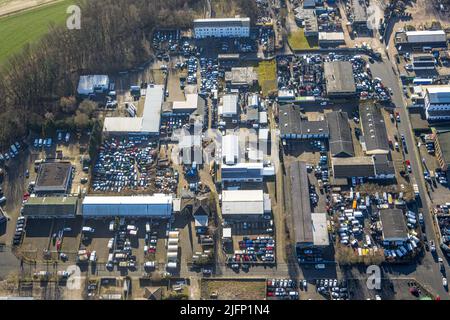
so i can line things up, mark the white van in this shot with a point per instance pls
(320, 266)
(88, 229)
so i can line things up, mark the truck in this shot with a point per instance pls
(416, 190)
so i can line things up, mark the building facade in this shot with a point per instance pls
(437, 103)
(222, 28)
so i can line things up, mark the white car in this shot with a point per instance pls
(444, 282)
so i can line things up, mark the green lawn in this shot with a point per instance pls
(267, 76)
(28, 26)
(298, 41)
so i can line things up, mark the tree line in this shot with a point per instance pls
(115, 35)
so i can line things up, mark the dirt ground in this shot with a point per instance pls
(230, 289)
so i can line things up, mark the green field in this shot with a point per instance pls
(28, 26)
(267, 76)
(298, 41)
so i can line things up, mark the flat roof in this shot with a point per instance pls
(339, 77)
(53, 177)
(230, 103)
(425, 32)
(320, 229)
(331, 36)
(248, 202)
(300, 203)
(341, 142)
(444, 145)
(151, 119)
(393, 224)
(359, 11)
(193, 101)
(374, 129)
(439, 94)
(241, 76)
(230, 148)
(50, 206)
(157, 198)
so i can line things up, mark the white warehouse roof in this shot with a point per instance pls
(149, 123)
(439, 95)
(230, 149)
(157, 205)
(229, 106)
(242, 202)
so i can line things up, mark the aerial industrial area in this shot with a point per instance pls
(285, 157)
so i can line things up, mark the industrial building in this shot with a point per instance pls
(92, 84)
(241, 77)
(331, 39)
(442, 145)
(359, 14)
(222, 27)
(394, 227)
(306, 17)
(154, 206)
(417, 40)
(423, 62)
(339, 79)
(229, 107)
(245, 205)
(53, 177)
(148, 124)
(376, 167)
(193, 102)
(437, 103)
(340, 142)
(310, 230)
(50, 207)
(293, 126)
(230, 149)
(374, 140)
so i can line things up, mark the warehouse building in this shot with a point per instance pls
(242, 77)
(148, 124)
(230, 149)
(222, 28)
(331, 39)
(245, 205)
(310, 230)
(341, 142)
(92, 84)
(293, 126)
(394, 227)
(154, 206)
(374, 140)
(229, 108)
(359, 14)
(358, 167)
(442, 145)
(50, 207)
(339, 79)
(417, 40)
(53, 177)
(423, 62)
(437, 103)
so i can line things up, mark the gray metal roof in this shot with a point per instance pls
(383, 164)
(50, 206)
(444, 145)
(292, 122)
(300, 203)
(394, 225)
(359, 11)
(341, 143)
(439, 95)
(339, 78)
(151, 119)
(353, 167)
(374, 129)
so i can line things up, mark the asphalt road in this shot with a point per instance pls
(427, 272)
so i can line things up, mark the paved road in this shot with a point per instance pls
(428, 271)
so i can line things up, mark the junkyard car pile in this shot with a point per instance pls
(123, 164)
(192, 70)
(210, 75)
(332, 289)
(282, 288)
